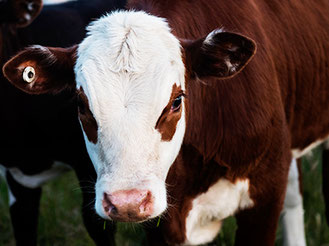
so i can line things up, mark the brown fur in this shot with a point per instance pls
(86, 117)
(168, 119)
(248, 124)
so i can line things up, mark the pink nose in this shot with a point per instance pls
(128, 205)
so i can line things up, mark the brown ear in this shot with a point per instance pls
(19, 12)
(220, 54)
(39, 70)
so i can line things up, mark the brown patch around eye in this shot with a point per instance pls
(168, 119)
(87, 119)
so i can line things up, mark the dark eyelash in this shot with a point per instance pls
(182, 94)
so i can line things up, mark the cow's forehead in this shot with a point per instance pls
(128, 42)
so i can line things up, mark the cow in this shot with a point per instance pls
(40, 133)
(195, 110)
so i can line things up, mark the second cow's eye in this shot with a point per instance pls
(176, 104)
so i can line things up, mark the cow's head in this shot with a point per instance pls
(19, 12)
(130, 80)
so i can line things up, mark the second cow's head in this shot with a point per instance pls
(130, 75)
(19, 13)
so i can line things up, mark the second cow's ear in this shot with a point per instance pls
(19, 12)
(220, 54)
(39, 70)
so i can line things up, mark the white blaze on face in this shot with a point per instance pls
(127, 67)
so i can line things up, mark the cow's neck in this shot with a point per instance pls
(225, 124)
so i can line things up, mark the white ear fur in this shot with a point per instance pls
(209, 39)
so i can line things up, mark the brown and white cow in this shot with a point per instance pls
(183, 117)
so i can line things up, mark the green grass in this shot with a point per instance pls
(60, 222)
(317, 231)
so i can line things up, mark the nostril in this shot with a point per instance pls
(113, 210)
(108, 205)
(146, 204)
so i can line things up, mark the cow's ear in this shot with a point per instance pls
(39, 70)
(19, 12)
(220, 54)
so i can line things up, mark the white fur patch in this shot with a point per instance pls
(293, 212)
(12, 198)
(297, 153)
(37, 180)
(127, 67)
(209, 39)
(221, 200)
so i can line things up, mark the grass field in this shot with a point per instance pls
(60, 222)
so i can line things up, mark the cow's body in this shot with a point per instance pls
(237, 129)
(37, 132)
(284, 89)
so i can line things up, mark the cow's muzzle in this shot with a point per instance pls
(128, 205)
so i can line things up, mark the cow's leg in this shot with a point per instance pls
(102, 233)
(24, 211)
(257, 226)
(293, 212)
(325, 178)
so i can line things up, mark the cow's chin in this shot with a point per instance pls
(136, 204)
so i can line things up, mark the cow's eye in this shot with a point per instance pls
(176, 104)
